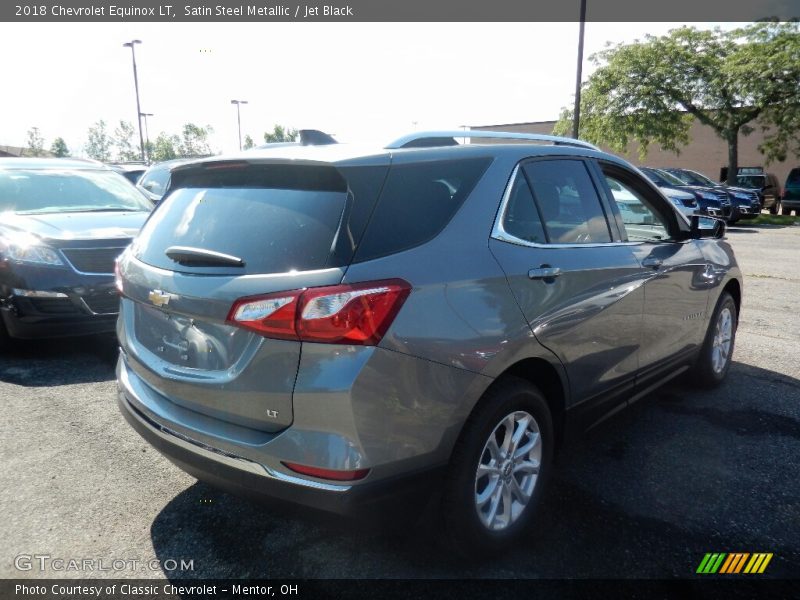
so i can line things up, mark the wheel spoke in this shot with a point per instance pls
(527, 466)
(519, 433)
(508, 425)
(528, 446)
(518, 492)
(488, 470)
(496, 496)
(507, 502)
(488, 491)
(493, 448)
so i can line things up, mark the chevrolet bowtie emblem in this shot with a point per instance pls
(158, 297)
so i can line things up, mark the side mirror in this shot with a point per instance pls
(707, 227)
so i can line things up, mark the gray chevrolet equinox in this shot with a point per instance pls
(344, 327)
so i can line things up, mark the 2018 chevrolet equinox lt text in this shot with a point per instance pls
(337, 326)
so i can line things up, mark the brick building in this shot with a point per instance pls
(705, 153)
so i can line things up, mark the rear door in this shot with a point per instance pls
(578, 287)
(228, 231)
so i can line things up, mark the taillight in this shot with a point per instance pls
(341, 314)
(332, 474)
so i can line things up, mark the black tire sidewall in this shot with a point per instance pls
(461, 518)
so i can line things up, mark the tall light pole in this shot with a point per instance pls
(131, 45)
(146, 132)
(238, 103)
(576, 113)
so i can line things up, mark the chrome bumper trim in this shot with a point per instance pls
(221, 456)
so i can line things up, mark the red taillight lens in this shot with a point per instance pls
(331, 474)
(341, 314)
(272, 315)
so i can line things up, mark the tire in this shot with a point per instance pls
(472, 517)
(714, 361)
(773, 210)
(5, 339)
(786, 212)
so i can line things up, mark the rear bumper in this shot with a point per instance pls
(793, 203)
(390, 499)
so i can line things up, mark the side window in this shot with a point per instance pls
(521, 218)
(156, 181)
(416, 203)
(641, 221)
(568, 202)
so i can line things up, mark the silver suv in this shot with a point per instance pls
(338, 327)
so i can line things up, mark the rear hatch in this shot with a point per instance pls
(226, 231)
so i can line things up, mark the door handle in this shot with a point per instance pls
(544, 272)
(654, 263)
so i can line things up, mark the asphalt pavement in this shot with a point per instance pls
(646, 495)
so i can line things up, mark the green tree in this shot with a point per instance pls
(124, 142)
(194, 140)
(35, 143)
(98, 145)
(248, 143)
(165, 147)
(280, 134)
(59, 148)
(732, 81)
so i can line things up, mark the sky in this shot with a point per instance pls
(370, 82)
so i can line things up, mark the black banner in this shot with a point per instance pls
(347, 589)
(397, 10)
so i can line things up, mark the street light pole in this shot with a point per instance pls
(147, 133)
(131, 45)
(576, 114)
(238, 103)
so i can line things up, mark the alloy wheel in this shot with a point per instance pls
(721, 348)
(508, 470)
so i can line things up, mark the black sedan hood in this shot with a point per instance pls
(67, 226)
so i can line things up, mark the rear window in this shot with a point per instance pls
(276, 219)
(417, 202)
(794, 177)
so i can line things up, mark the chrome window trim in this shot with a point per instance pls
(500, 234)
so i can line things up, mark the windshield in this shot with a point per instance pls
(755, 182)
(668, 177)
(690, 177)
(63, 190)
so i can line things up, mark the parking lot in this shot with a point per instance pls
(644, 496)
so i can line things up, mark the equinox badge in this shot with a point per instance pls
(158, 297)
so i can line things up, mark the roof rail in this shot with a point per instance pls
(448, 138)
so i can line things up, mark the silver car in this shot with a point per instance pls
(346, 328)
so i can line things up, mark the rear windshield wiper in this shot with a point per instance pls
(200, 257)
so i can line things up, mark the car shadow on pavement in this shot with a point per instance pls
(62, 361)
(628, 500)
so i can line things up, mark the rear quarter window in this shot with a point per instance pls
(417, 202)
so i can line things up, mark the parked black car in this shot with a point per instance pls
(63, 222)
(710, 201)
(745, 203)
(130, 171)
(154, 182)
(764, 184)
